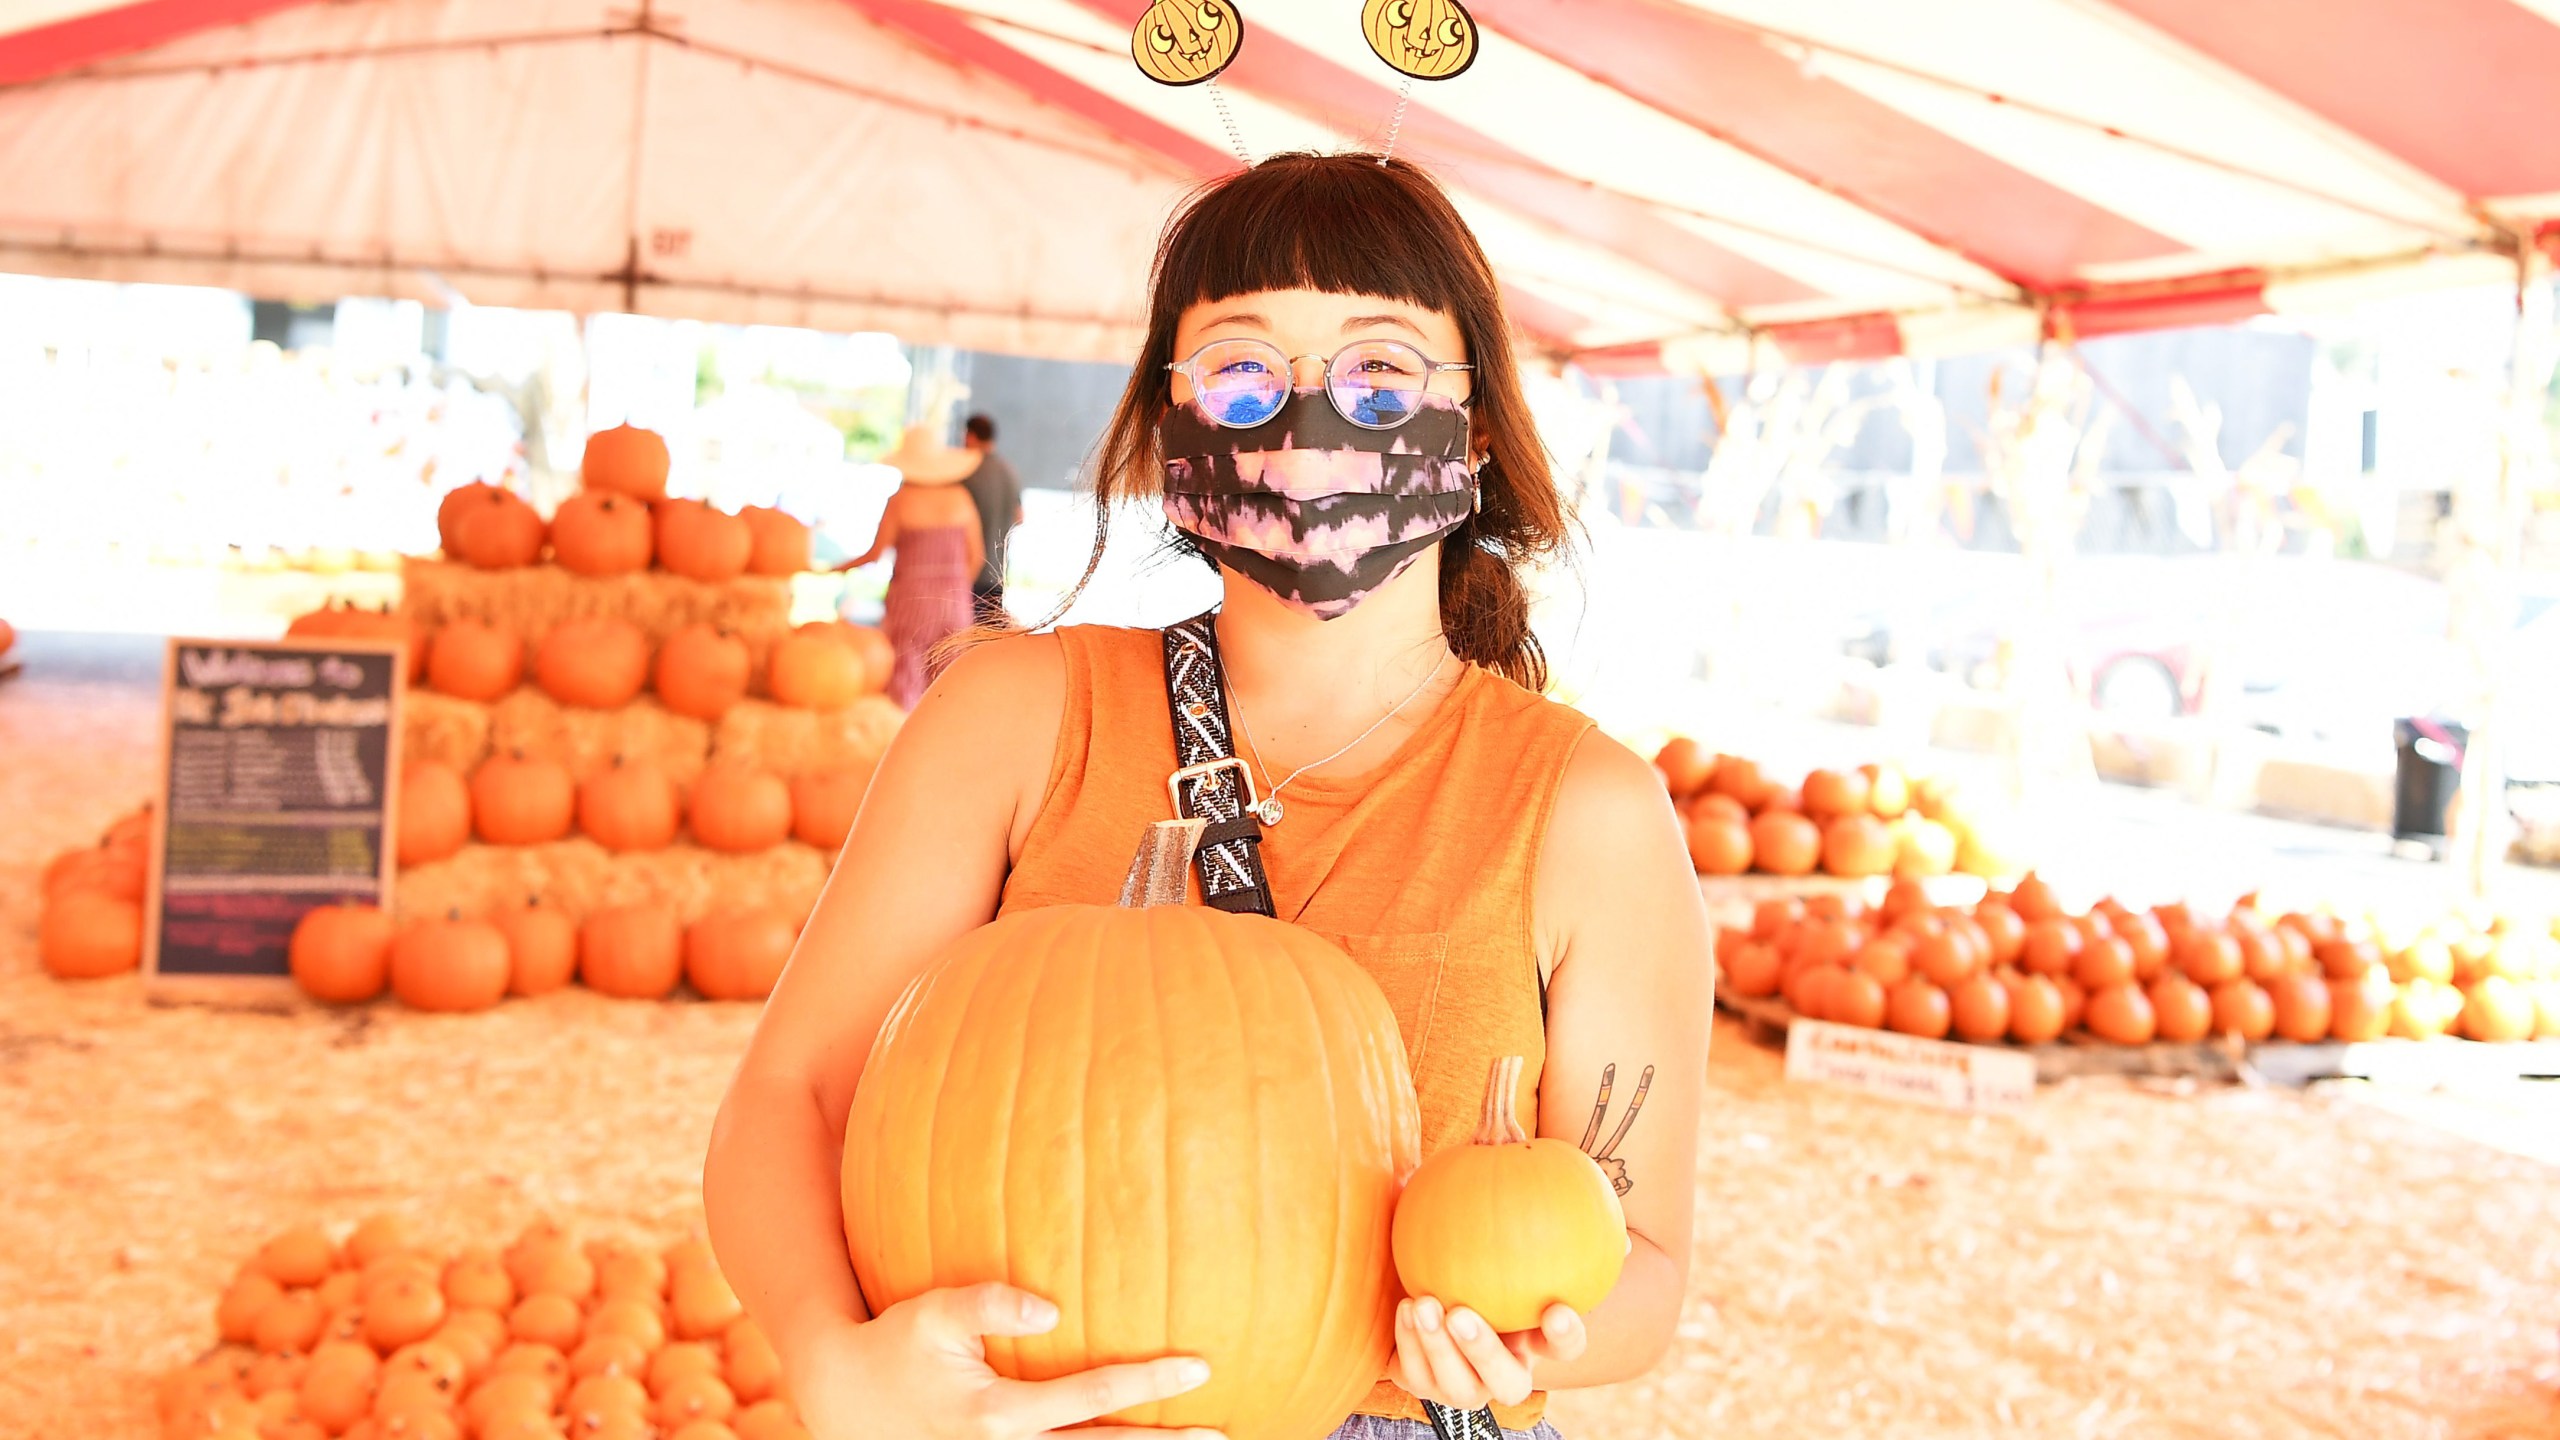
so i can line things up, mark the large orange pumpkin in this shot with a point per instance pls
(1857, 844)
(1684, 765)
(781, 542)
(825, 802)
(88, 933)
(738, 808)
(599, 663)
(458, 502)
(702, 671)
(517, 799)
(542, 947)
(1198, 1156)
(632, 952)
(1832, 793)
(498, 531)
(597, 532)
(341, 953)
(435, 812)
(879, 657)
(474, 661)
(1510, 1225)
(628, 807)
(701, 542)
(816, 672)
(1719, 844)
(117, 870)
(1784, 843)
(450, 964)
(737, 954)
(627, 460)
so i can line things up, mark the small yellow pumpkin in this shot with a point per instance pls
(1509, 1225)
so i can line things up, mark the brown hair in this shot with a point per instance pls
(1356, 225)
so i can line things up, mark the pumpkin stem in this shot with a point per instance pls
(1160, 873)
(1501, 1122)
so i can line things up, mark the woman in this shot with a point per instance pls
(1514, 880)
(933, 525)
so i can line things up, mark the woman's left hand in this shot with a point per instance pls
(1453, 1357)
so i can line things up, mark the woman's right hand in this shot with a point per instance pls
(918, 1371)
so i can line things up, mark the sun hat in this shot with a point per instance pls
(923, 459)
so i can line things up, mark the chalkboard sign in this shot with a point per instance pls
(278, 761)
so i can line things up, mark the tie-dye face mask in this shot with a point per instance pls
(1313, 508)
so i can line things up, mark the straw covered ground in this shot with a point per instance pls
(2119, 1262)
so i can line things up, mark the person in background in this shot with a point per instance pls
(933, 525)
(998, 492)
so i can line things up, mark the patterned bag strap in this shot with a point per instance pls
(1451, 1424)
(1211, 783)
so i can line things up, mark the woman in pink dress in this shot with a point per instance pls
(932, 524)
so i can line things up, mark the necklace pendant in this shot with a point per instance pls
(1268, 810)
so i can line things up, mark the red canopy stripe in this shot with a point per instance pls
(2466, 90)
(1299, 80)
(1548, 324)
(2219, 300)
(69, 44)
(1729, 84)
(953, 35)
(1850, 337)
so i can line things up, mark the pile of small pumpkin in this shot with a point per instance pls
(700, 671)
(2019, 966)
(621, 523)
(523, 799)
(1874, 820)
(379, 1336)
(91, 924)
(348, 954)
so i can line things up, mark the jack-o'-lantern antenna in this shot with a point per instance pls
(1188, 42)
(1419, 40)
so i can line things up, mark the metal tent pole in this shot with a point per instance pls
(2523, 455)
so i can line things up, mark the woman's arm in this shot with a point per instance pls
(925, 863)
(884, 538)
(977, 534)
(1628, 1001)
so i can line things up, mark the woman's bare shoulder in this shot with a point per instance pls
(999, 703)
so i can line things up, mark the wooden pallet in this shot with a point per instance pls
(2276, 1062)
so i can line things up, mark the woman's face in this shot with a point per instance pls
(1317, 323)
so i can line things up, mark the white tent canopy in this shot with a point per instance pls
(1658, 180)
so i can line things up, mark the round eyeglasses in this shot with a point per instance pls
(1374, 384)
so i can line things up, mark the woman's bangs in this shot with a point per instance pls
(1305, 231)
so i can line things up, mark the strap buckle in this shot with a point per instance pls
(1202, 771)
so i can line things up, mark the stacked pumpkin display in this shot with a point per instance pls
(1852, 824)
(92, 918)
(2020, 967)
(625, 764)
(380, 1336)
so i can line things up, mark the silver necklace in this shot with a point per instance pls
(1269, 810)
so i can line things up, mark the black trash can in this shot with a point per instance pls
(2429, 772)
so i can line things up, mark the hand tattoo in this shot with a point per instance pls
(1610, 1165)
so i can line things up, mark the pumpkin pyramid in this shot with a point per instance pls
(614, 714)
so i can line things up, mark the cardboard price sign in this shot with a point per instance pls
(277, 772)
(1905, 1067)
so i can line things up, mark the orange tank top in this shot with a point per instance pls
(1421, 868)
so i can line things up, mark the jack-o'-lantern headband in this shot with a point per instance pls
(1188, 42)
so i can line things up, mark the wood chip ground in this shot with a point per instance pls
(2163, 1261)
